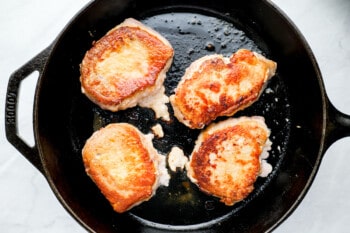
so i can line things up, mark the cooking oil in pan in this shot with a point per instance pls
(192, 36)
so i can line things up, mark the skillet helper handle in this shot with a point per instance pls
(338, 125)
(11, 125)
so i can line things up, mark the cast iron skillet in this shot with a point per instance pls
(302, 120)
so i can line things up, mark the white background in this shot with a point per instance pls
(27, 204)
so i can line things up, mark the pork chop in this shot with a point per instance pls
(226, 159)
(214, 86)
(127, 67)
(124, 165)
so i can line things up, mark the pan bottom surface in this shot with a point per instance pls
(192, 36)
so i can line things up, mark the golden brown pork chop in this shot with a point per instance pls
(226, 159)
(124, 165)
(215, 86)
(127, 67)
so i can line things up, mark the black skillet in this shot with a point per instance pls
(302, 120)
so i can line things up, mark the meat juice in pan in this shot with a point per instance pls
(192, 36)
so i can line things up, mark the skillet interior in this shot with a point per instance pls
(292, 107)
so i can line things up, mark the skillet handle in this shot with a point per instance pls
(338, 125)
(35, 64)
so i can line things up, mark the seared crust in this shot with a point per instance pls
(125, 65)
(225, 162)
(216, 86)
(123, 164)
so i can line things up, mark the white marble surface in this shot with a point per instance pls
(27, 203)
